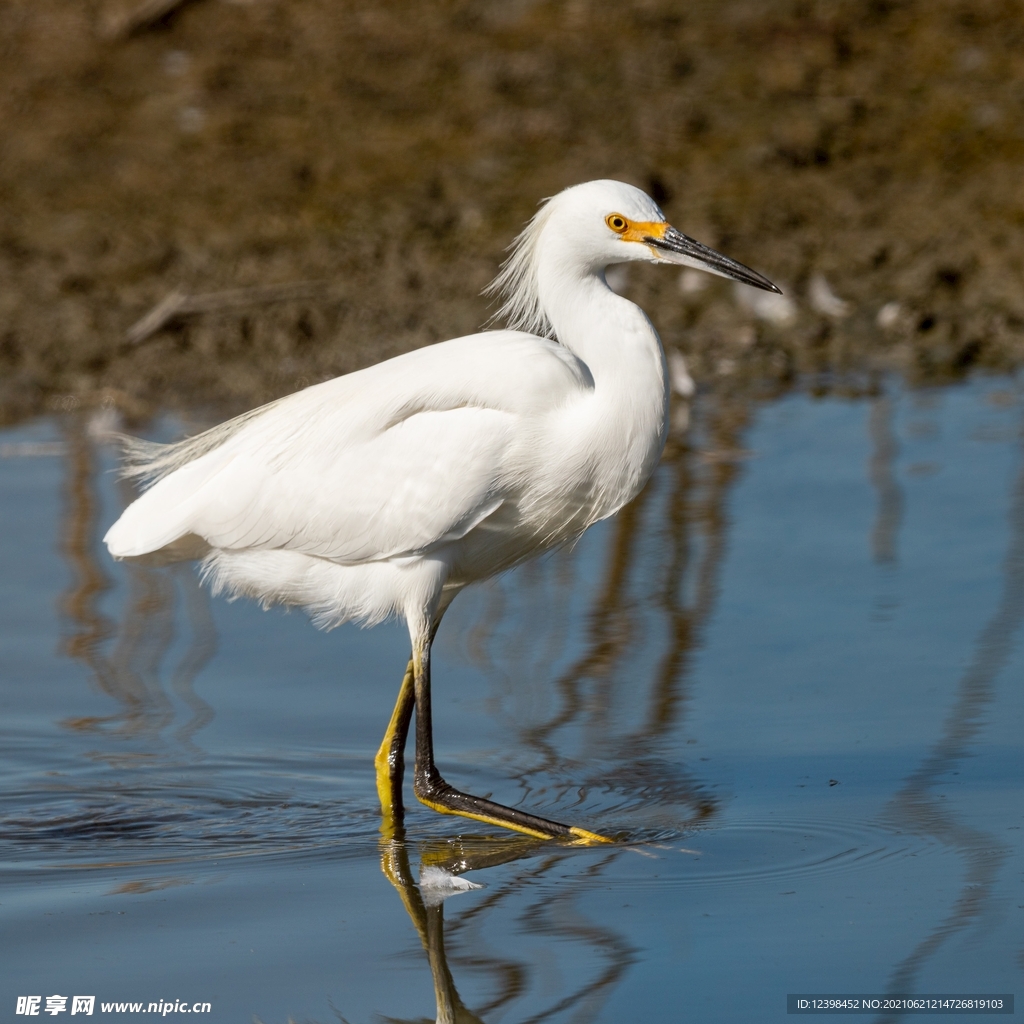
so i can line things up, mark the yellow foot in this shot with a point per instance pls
(585, 838)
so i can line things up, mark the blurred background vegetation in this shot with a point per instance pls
(865, 154)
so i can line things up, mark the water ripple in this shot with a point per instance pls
(755, 850)
(92, 825)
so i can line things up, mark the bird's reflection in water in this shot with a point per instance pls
(126, 659)
(625, 694)
(442, 865)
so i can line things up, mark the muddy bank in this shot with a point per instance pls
(865, 154)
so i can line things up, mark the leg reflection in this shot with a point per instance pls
(440, 868)
(536, 911)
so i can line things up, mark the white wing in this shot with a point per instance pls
(385, 462)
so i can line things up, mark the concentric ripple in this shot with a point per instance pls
(743, 851)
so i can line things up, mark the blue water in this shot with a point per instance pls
(790, 675)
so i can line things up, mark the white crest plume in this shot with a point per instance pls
(517, 282)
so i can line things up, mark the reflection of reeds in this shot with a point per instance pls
(79, 602)
(200, 651)
(915, 809)
(608, 634)
(556, 919)
(130, 673)
(884, 449)
(698, 502)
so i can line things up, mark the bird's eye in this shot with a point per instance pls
(616, 222)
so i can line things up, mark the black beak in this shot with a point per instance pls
(704, 258)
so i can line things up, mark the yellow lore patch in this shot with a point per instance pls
(636, 230)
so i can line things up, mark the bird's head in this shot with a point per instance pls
(617, 223)
(589, 227)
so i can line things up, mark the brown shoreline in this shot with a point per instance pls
(388, 155)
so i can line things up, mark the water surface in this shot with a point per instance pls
(789, 674)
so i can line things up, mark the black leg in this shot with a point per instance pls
(432, 790)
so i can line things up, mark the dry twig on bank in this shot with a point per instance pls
(178, 304)
(145, 15)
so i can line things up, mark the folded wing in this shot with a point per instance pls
(384, 463)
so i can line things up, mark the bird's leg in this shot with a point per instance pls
(432, 790)
(390, 759)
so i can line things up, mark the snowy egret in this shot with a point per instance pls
(387, 491)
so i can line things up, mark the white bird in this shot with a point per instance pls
(387, 491)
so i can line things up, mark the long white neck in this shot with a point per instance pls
(619, 344)
(612, 335)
